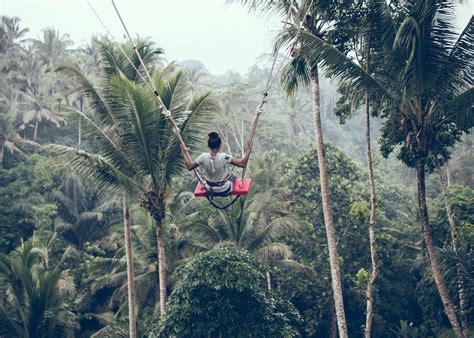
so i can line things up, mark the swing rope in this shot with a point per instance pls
(167, 113)
(270, 81)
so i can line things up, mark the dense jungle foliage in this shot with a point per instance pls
(84, 147)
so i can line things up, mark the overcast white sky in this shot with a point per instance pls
(221, 36)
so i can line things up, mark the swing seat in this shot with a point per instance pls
(237, 190)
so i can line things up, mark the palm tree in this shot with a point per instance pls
(84, 214)
(111, 273)
(34, 84)
(32, 301)
(52, 46)
(10, 140)
(454, 246)
(10, 42)
(135, 148)
(303, 69)
(10, 32)
(425, 85)
(346, 104)
(40, 112)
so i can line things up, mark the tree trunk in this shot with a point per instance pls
(161, 265)
(36, 130)
(269, 281)
(435, 268)
(156, 207)
(448, 173)
(463, 306)
(80, 120)
(328, 221)
(333, 329)
(79, 132)
(130, 270)
(372, 238)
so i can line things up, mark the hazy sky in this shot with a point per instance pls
(221, 36)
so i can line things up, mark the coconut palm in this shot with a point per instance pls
(247, 223)
(51, 46)
(115, 64)
(425, 85)
(10, 32)
(10, 42)
(33, 294)
(314, 18)
(134, 147)
(35, 86)
(10, 140)
(454, 246)
(347, 104)
(110, 273)
(84, 215)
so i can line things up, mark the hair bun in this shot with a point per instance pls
(213, 134)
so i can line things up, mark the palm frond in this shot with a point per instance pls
(107, 146)
(174, 93)
(295, 266)
(274, 252)
(94, 168)
(266, 7)
(339, 66)
(137, 116)
(295, 74)
(383, 22)
(97, 103)
(459, 110)
(456, 71)
(111, 280)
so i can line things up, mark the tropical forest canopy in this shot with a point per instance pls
(100, 234)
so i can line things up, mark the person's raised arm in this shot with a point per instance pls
(242, 162)
(190, 164)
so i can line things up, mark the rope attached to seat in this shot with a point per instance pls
(167, 113)
(210, 197)
(270, 80)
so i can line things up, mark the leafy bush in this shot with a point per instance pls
(222, 293)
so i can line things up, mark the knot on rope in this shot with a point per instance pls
(265, 94)
(259, 111)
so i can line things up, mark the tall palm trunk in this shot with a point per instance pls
(435, 268)
(333, 327)
(79, 133)
(155, 205)
(130, 270)
(328, 221)
(463, 306)
(372, 237)
(161, 265)
(35, 131)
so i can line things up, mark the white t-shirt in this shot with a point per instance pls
(215, 168)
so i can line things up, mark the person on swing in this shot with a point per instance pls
(214, 165)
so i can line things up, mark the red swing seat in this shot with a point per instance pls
(238, 190)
